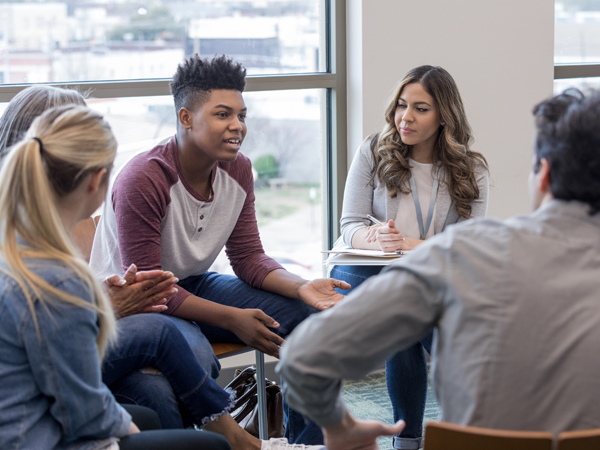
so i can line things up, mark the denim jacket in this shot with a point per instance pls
(51, 391)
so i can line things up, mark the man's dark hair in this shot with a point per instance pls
(196, 78)
(568, 137)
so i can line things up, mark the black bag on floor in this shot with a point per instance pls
(245, 411)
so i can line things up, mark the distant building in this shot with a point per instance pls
(117, 60)
(34, 26)
(253, 41)
(92, 22)
(280, 43)
(25, 67)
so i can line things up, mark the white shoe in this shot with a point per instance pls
(282, 444)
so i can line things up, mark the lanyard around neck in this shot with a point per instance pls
(415, 195)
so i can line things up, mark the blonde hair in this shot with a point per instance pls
(62, 146)
(451, 148)
(26, 106)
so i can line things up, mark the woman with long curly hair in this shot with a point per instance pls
(417, 176)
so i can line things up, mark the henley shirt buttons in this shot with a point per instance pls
(200, 229)
(201, 217)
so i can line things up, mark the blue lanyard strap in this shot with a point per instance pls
(415, 195)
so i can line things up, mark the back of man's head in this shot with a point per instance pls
(568, 137)
(196, 78)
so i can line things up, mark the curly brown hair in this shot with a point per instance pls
(451, 148)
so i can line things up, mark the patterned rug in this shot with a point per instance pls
(368, 399)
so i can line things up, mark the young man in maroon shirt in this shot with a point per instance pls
(176, 206)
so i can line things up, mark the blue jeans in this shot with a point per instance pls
(306, 431)
(405, 372)
(299, 430)
(155, 340)
(231, 291)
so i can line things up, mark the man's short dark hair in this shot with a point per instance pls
(197, 77)
(568, 137)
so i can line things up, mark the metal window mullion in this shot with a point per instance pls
(149, 88)
(562, 71)
(337, 158)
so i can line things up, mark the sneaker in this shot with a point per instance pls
(282, 444)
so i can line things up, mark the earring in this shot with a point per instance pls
(443, 124)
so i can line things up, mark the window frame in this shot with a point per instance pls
(333, 80)
(581, 70)
(576, 70)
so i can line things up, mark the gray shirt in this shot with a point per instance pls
(515, 309)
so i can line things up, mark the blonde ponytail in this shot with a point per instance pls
(60, 148)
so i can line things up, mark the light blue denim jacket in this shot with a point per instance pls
(51, 390)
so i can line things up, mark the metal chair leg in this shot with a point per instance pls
(263, 431)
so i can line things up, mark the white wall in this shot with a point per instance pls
(500, 52)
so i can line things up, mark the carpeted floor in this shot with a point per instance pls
(368, 399)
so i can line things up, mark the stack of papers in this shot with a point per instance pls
(357, 257)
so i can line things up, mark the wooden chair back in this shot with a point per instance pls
(579, 440)
(447, 436)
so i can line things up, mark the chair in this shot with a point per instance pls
(83, 236)
(579, 440)
(447, 436)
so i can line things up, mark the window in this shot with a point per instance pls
(124, 54)
(576, 44)
(582, 84)
(52, 41)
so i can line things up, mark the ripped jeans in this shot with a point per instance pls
(154, 340)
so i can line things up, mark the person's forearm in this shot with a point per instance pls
(202, 310)
(282, 282)
(359, 241)
(340, 427)
(250, 325)
(315, 397)
(341, 343)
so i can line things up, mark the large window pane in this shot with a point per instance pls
(577, 31)
(285, 144)
(53, 41)
(583, 84)
(138, 123)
